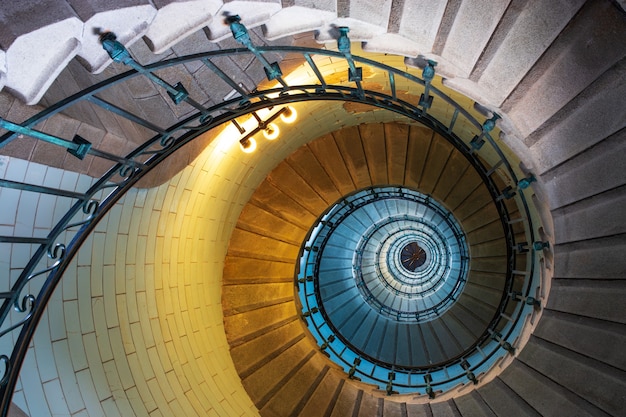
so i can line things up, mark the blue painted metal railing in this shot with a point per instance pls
(24, 304)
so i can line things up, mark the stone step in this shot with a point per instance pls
(330, 159)
(589, 298)
(589, 173)
(291, 398)
(479, 312)
(485, 233)
(256, 353)
(257, 220)
(298, 188)
(592, 259)
(473, 405)
(594, 338)
(345, 401)
(595, 217)
(129, 21)
(453, 321)
(56, 36)
(324, 395)
(353, 155)
(306, 163)
(577, 373)
(294, 19)
(274, 201)
(268, 381)
(472, 26)
(592, 116)
(404, 36)
(544, 395)
(485, 295)
(574, 57)
(436, 162)
(267, 248)
(253, 270)
(503, 65)
(176, 20)
(503, 401)
(252, 13)
(419, 141)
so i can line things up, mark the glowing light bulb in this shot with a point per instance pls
(289, 115)
(248, 146)
(271, 131)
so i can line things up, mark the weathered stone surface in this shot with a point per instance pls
(534, 30)
(578, 56)
(128, 19)
(598, 216)
(38, 45)
(588, 378)
(595, 299)
(473, 405)
(472, 28)
(601, 168)
(297, 19)
(503, 401)
(593, 115)
(252, 13)
(598, 339)
(591, 259)
(544, 395)
(174, 21)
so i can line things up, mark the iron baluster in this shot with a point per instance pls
(355, 74)
(428, 73)
(241, 35)
(177, 93)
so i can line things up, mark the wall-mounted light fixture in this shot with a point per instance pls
(270, 129)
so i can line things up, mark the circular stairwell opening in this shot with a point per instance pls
(412, 256)
(387, 259)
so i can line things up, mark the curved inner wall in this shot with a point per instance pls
(147, 287)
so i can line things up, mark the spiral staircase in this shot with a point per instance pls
(186, 300)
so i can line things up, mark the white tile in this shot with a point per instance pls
(69, 283)
(95, 367)
(92, 403)
(71, 389)
(34, 392)
(16, 171)
(110, 408)
(62, 206)
(9, 200)
(36, 173)
(26, 213)
(4, 164)
(84, 253)
(55, 398)
(53, 177)
(45, 211)
(69, 180)
(97, 251)
(74, 337)
(140, 196)
(84, 183)
(54, 315)
(20, 255)
(85, 312)
(43, 351)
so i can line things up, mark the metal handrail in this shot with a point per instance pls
(88, 207)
